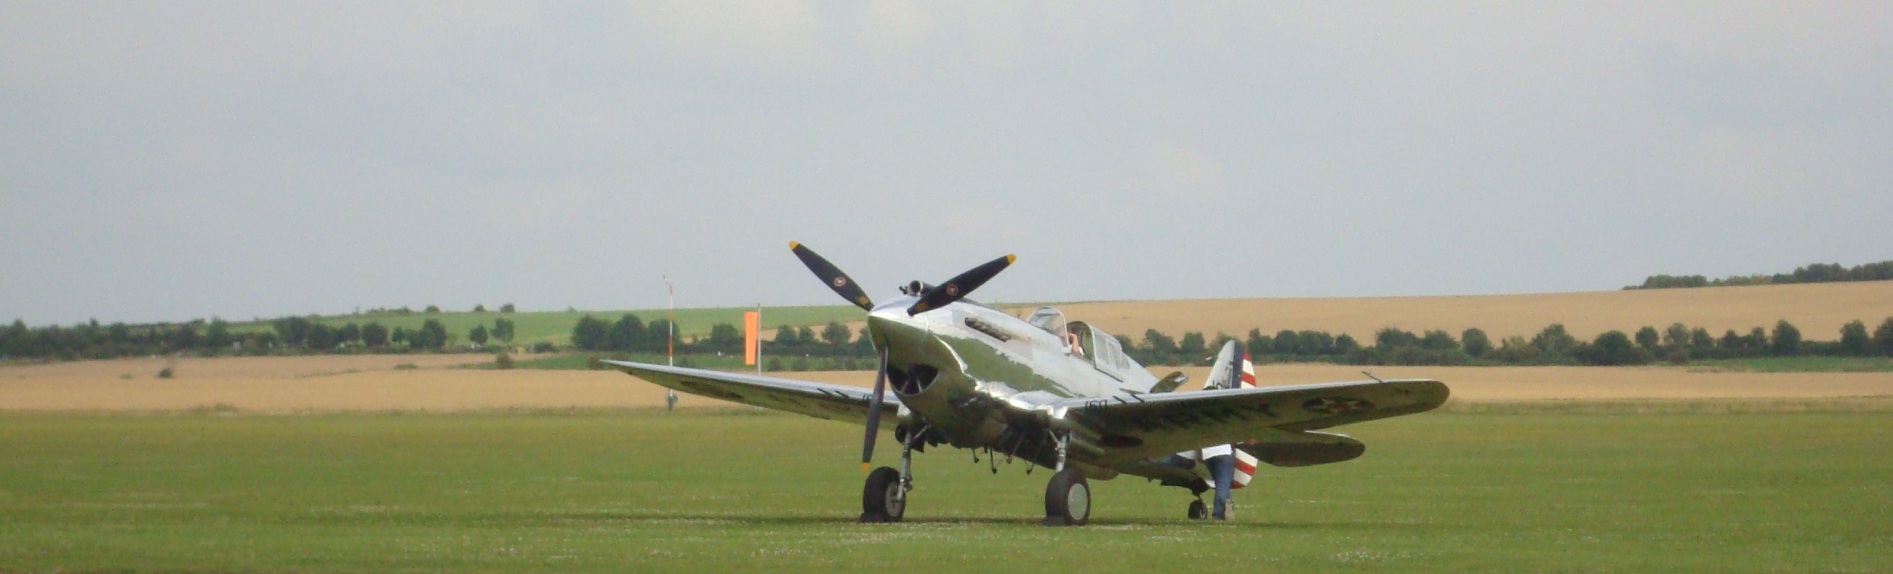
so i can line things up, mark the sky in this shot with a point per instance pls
(167, 161)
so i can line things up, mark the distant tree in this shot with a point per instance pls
(1287, 343)
(1475, 342)
(1192, 346)
(785, 338)
(1676, 336)
(834, 334)
(806, 335)
(725, 337)
(400, 337)
(1757, 339)
(627, 334)
(1700, 339)
(1158, 343)
(591, 334)
(1555, 340)
(1258, 344)
(1346, 345)
(660, 335)
(1394, 338)
(506, 308)
(349, 333)
(1854, 339)
(320, 337)
(217, 336)
(1614, 348)
(184, 337)
(1516, 351)
(433, 309)
(1883, 337)
(1437, 340)
(503, 329)
(1786, 339)
(479, 308)
(477, 335)
(118, 334)
(292, 330)
(374, 335)
(1648, 338)
(1316, 342)
(432, 335)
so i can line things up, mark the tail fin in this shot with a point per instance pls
(1234, 371)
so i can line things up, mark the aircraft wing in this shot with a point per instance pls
(1134, 427)
(824, 401)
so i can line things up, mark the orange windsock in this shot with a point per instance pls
(752, 328)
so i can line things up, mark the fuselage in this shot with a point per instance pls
(977, 377)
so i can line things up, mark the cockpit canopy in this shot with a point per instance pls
(1050, 319)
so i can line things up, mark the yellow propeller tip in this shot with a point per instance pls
(1011, 258)
(864, 468)
(793, 245)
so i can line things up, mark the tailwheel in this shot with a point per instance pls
(881, 498)
(1067, 499)
(1198, 510)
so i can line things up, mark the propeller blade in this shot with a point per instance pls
(833, 276)
(958, 287)
(874, 412)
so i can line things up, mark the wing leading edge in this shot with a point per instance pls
(1149, 425)
(824, 401)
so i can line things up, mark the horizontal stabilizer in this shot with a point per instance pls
(1170, 382)
(1306, 448)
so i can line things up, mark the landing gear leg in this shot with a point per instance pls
(884, 497)
(1067, 495)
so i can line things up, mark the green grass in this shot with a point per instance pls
(735, 491)
(556, 326)
(1800, 364)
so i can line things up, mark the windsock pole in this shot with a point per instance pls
(670, 347)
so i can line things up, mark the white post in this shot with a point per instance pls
(670, 350)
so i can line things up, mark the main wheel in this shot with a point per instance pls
(1067, 499)
(1198, 510)
(881, 498)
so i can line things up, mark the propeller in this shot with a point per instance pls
(874, 412)
(959, 286)
(843, 286)
(933, 298)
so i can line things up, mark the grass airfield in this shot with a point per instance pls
(1499, 489)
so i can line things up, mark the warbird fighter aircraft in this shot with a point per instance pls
(1055, 393)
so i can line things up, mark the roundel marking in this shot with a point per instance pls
(1335, 405)
(841, 281)
(952, 290)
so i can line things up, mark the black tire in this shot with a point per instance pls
(1067, 499)
(879, 502)
(1198, 510)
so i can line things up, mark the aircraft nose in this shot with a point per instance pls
(890, 326)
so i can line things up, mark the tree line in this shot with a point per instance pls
(1554, 345)
(837, 347)
(1814, 273)
(287, 335)
(630, 334)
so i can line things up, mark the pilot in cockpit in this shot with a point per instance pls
(1053, 321)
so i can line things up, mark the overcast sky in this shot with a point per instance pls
(163, 161)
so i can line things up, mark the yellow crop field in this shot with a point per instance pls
(1818, 310)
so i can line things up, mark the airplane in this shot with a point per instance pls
(1058, 394)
